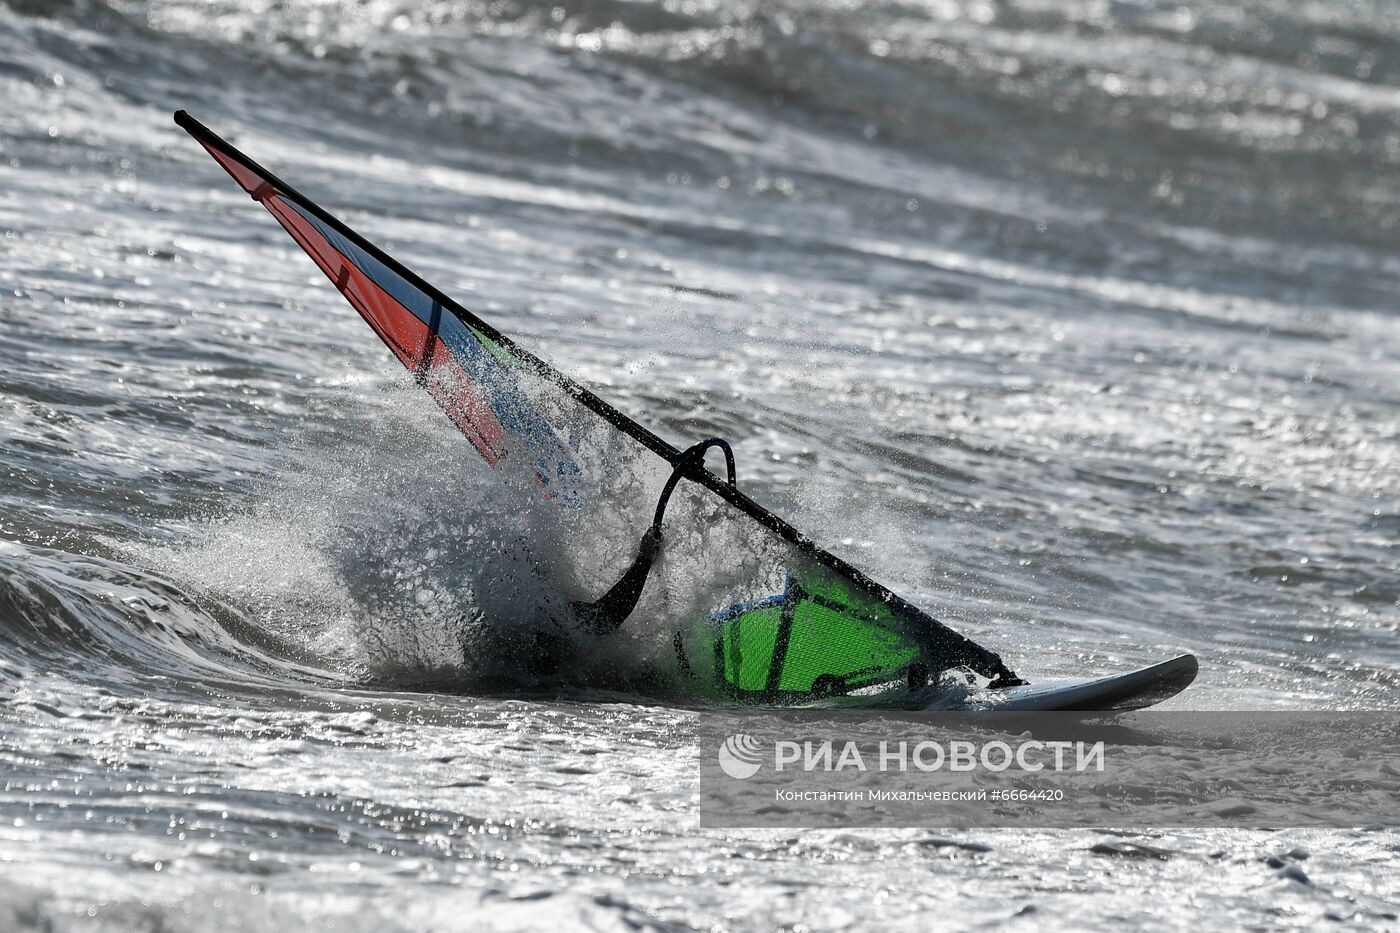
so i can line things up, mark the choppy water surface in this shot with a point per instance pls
(1073, 321)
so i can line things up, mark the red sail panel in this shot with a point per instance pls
(410, 339)
(416, 346)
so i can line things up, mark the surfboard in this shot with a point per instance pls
(1139, 689)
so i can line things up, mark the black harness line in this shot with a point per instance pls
(611, 609)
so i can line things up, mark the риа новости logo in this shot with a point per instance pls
(739, 756)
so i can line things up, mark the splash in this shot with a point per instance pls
(394, 555)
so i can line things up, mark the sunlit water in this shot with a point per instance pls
(1073, 322)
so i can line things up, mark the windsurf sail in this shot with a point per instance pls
(759, 611)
